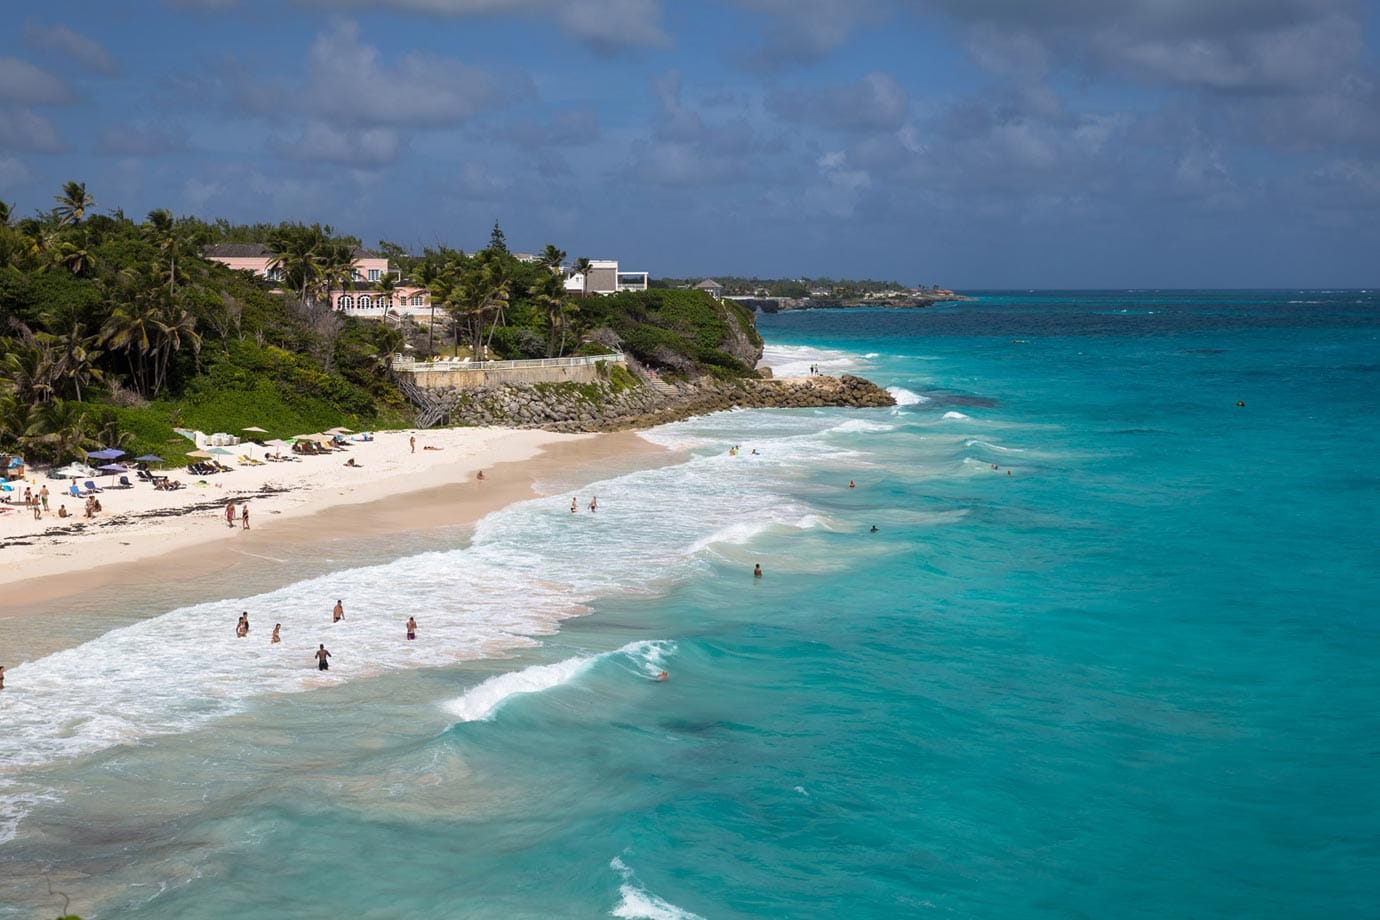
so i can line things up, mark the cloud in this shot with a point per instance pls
(141, 139)
(13, 173)
(26, 84)
(71, 45)
(352, 83)
(875, 103)
(686, 149)
(364, 148)
(21, 129)
(1223, 45)
(803, 31)
(602, 24)
(575, 127)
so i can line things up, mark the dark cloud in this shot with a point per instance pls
(604, 24)
(877, 102)
(686, 149)
(351, 83)
(71, 46)
(141, 139)
(26, 84)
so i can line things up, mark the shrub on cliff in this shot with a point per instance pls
(685, 332)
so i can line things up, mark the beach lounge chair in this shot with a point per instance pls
(125, 483)
(75, 491)
(91, 487)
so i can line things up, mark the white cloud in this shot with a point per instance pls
(365, 148)
(26, 84)
(21, 129)
(601, 23)
(13, 173)
(71, 46)
(350, 82)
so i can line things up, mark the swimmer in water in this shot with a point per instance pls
(573, 507)
(338, 613)
(757, 570)
(662, 676)
(852, 484)
(277, 627)
(874, 528)
(411, 628)
(1241, 403)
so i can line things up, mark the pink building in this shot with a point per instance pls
(363, 300)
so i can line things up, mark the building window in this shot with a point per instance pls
(347, 302)
(365, 302)
(416, 300)
(355, 275)
(373, 274)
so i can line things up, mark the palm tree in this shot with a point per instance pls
(549, 295)
(296, 253)
(551, 258)
(74, 358)
(164, 233)
(73, 203)
(133, 329)
(73, 257)
(336, 268)
(59, 428)
(583, 267)
(6, 209)
(29, 369)
(174, 325)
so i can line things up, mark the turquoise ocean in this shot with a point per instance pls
(1111, 653)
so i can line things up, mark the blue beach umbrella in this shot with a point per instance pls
(149, 458)
(107, 453)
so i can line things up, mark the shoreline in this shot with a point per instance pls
(180, 548)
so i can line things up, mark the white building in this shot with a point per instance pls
(605, 278)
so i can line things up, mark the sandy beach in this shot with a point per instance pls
(145, 537)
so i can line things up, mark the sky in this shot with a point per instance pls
(966, 143)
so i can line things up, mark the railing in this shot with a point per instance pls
(412, 366)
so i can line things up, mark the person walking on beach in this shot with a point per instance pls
(321, 655)
(275, 638)
(230, 514)
(338, 613)
(43, 496)
(412, 442)
(38, 510)
(411, 628)
(244, 517)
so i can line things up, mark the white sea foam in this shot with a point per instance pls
(954, 416)
(861, 424)
(640, 904)
(526, 569)
(985, 445)
(872, 354)
(483, 700)
(906, 397)
(796, 360)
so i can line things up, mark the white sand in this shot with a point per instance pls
(387, 468)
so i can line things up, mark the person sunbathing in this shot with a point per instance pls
(429, 447)
(351, 462)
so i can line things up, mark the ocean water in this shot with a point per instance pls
(1110, 653)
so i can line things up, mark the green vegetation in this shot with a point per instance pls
(113, 331)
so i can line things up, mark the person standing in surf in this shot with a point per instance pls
(338, 613)
(411, 628)
(321, 655)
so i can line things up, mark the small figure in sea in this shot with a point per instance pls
(757, 570)
(874, 529)
(852, 484)
(994, 466)
(1008, 472)
(275, 638)
(754, 452)
(733, 451)
(411, 628)
(480, 476)
(321, 655)
(230, 514)
(338, 613)
(244, 517)
(573, 507)
(2, 677)
(1241, 404)
(593, 504)
(412, 442)
(242, 627)
(662, 676)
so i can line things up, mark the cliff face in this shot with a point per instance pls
(625, 402)
(684, 333)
